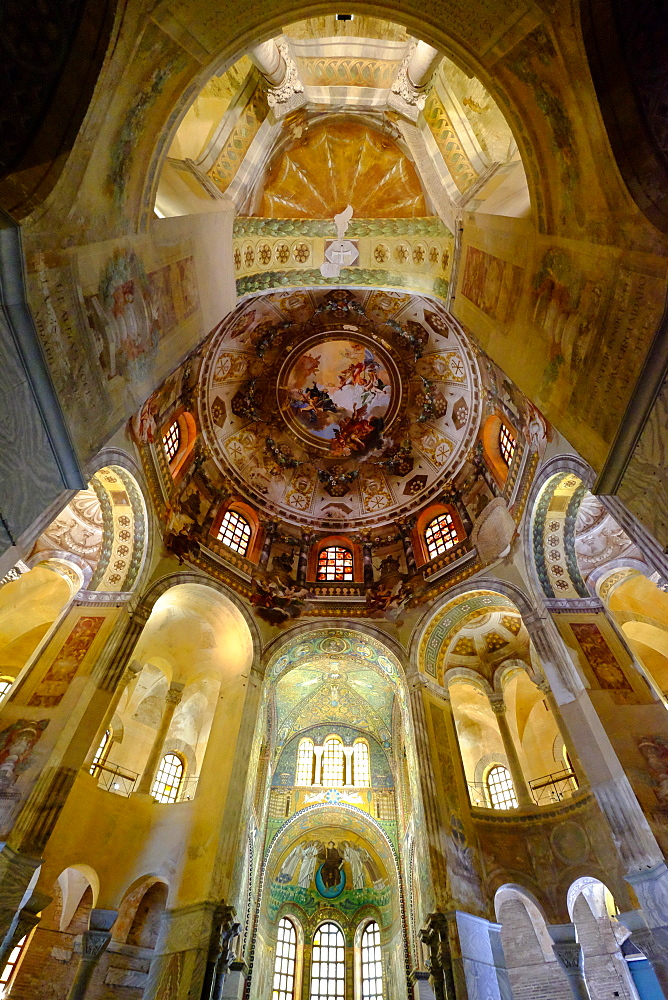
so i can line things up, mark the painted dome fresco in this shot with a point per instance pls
(339, 406)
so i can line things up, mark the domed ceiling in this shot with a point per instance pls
(329, 406)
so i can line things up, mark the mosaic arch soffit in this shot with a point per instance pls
(326, 815)
(433, 641)
(321, 645)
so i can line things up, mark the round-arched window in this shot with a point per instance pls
(285, 962)
(332, 763)
(235, 532)
(361, 764)
(328, 971)
(171, 439)
(305, 761)
(507, 444)
(440, 535)
(335, 564)
(372, 969)
(500, 788)
(167, 783)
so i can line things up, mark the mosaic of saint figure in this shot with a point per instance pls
(332, 860)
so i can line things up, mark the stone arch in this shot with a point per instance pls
(589, 902)
(527, 945)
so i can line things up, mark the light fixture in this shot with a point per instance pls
(345, 17)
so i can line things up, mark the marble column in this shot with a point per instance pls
(422, 64)
(630, 830)
(432, 834)
(367, 562)
(131, 672)
(302, 564)
(268, 59)
(269, 535)
(318, 751)
(94, 942)
(521, 788)
(27, 918)
(646, 942)
(405, 529)
(421, 985)
(348, 751)
(172, 699)
(544, 686)
(568, 953)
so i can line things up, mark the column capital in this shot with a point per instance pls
(175, 693)
(93, 943)
(497, 704)
(569, 956)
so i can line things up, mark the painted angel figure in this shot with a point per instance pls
(309, 859)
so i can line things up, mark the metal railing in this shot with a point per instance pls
(477, 794)
(113, 778)
(553, 787)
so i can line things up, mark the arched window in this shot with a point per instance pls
(9, 970)
(332, 763)
(171, 439)
(101, 753)
(500, 789)
(335, 564)
(507, 444)
(361, 764)
(305, 763)
(235, 532)
(284, 965)
(440, 535)
(168, 779)
(328, 973)
(5, 685)
(372, 970)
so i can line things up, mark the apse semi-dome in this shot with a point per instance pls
(339, 406)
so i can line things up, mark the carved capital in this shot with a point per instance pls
(569, 956)
(175, 693)
(291, 83)
(497, 704)
(93, 943)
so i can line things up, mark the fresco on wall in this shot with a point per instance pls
(51, 689)
(134, 315)
(16, 745)
(602, 661)
(491, 284)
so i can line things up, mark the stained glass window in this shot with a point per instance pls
(168, 779)
(101, 752)
(332, 763)
(500, 788)
(284, 966)
(235, 532)
(372, 970)
(304, 763)
(440, 535)
(506, 444)
(172, 440)
(361, 764)
(328, 975)
(335, 564)
(12, 962)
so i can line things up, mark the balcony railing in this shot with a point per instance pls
(553, 787)
(113, 778)
(547, 790)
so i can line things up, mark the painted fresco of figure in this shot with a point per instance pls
(354, 858)
(309, 858)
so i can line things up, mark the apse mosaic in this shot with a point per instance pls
(345, 406)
